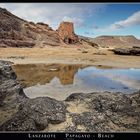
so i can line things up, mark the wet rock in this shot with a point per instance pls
(25, 114)
(9, 87)
(107, 112)
(35, 114)
(11, 92)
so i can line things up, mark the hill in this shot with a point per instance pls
(16, 32)
(116, 41)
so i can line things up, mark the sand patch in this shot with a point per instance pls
(77, 107)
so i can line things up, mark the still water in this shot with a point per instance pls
(60, 80)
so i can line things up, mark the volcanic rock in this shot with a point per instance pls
(105, 112)
(35, 114)
(127, 51)
(11, 92)
(21, 113)
(92, 112)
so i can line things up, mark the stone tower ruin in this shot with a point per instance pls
(66, 33)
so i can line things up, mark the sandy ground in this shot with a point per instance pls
(68, 55)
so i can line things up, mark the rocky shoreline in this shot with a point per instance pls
(93, 112)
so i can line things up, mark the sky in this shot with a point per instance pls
(90, 19)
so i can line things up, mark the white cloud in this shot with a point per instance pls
(132, 20)
(54, 13)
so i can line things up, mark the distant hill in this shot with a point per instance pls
(116, 41)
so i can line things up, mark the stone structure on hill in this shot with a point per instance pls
(66, 33)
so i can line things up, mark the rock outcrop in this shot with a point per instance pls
(127, 51)
(16, 32)
(11, 92)
(35, 115)
(21, 113)
(66, 33)
(93, 112)
(88, 41)
(105, 112)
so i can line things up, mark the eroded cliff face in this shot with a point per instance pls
(66, 33)
(93, 112)
(16, 32)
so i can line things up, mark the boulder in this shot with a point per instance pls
(36, 114)
(105, 112)
(127, 51)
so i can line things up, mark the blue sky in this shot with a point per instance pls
(89, 19)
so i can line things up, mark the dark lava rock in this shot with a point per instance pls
(35, 114)
(11, 92)
(9, 86)
(30, 114)
(107, 112)
(127, 51)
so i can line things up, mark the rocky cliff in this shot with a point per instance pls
(16, 32)
(93, 112)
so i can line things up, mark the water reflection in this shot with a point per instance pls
(32, 74)
(60, 80)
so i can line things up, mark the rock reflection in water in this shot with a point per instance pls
(33, 74)
(60, 80)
